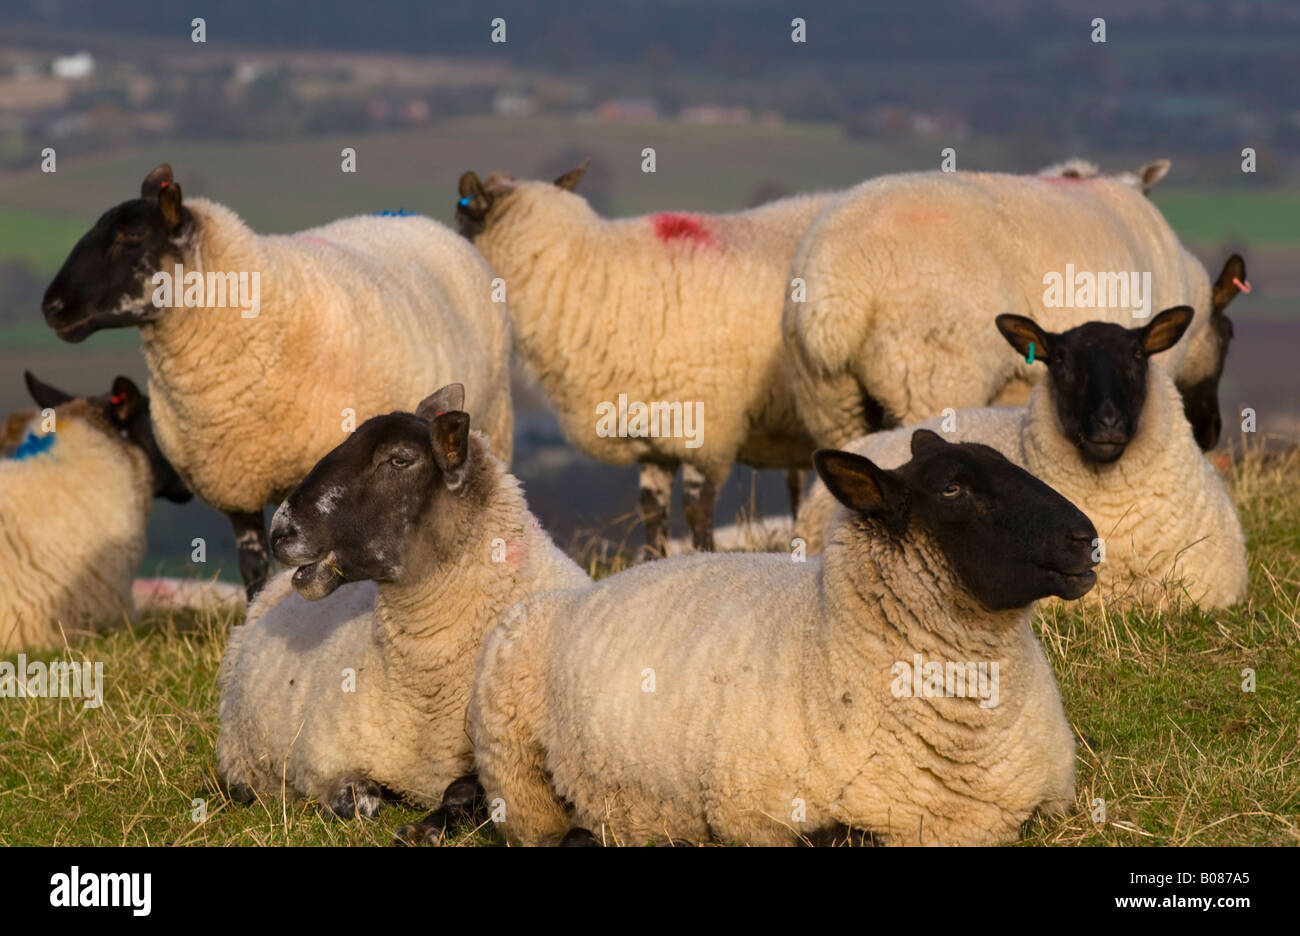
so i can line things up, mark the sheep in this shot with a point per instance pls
(664, 310)
(901, 274)
(353, 671)
(375, 306)
(748, 698)
(1143, 179)
(1108, 432)
(77, 480)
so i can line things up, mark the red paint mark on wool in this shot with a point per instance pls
(670, 227)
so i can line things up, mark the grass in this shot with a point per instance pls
(1180, 754)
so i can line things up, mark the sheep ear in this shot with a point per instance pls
(1225, 289)
(1020, 332)
(450, 437)
(125, 401)
(569, 181)
(169, 201)
(856, 482)
(923, 439)
(1165, 329)
(158, 178)
(45, 396)
(450, 397)
(1150, 173)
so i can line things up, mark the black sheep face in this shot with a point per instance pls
(1009, 538)
(1201, 399)
(126, 411)
(361, 511)
(107, 279)
(1098, 374)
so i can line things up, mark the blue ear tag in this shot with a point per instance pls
(465, 201)
(33, 445)
(1030, 359)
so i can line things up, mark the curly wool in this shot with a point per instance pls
(72, 529)
(905, 275)
(380, 308)
(1161, 509)
(667, 307)
(289, 722)
(748, 698)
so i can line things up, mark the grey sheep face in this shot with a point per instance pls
(1098, 374)
(372, 503)
(1201, 399)
(1009, 538)
(124, 411)
(478, 199)
(106, 281)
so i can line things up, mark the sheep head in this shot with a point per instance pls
(1201, 399)
(1097, 374)
(106, 280)
(124, 412)
(1008, 537)
(377, 503)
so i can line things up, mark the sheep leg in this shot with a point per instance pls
(254, 552)
(699, 494)
(796, 479)
(463, 800)
(355, 795)
(656, 497)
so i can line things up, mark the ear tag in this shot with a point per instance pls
(1030, 359)
(465, 201)
(1244, 286)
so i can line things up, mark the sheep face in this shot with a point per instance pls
(366, 508)
(474, 208)
(1201, 399)
(1008, 537)
(1097, 375)
(106, 281)
(125, 412)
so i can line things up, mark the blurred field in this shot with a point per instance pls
(1180, 754)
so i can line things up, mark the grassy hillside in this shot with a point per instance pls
(1168, 738)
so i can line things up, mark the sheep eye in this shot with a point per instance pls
(397, 461)
(952, 490)
(130, 237)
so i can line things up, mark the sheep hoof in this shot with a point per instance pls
(579, 838)
(464, 797)
(430, 830)
(355, 796)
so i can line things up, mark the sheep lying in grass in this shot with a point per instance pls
(1107, 431)
(344, 690)
(905, 273)
(75, 491)
(750, 698)
(680, 309)
(347, 320)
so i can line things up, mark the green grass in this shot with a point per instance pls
(41, 240)
(1178, 751)
(1240, 217)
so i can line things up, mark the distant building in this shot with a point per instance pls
(72, 67)
(715, 115)
(510, 104)
(628, 110)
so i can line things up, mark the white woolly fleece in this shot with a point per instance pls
(668, 307)
(906, 274)
(1162, 509)
(368, 313)
(748, 698)
(287, 721)
(72, 530)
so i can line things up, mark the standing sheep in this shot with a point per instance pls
(904, 272)
(371, 307)
(749, 698)
(76, 486)
(674, 315)
(343, 690)
(1108, 432)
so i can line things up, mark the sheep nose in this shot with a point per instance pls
(283, 533)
